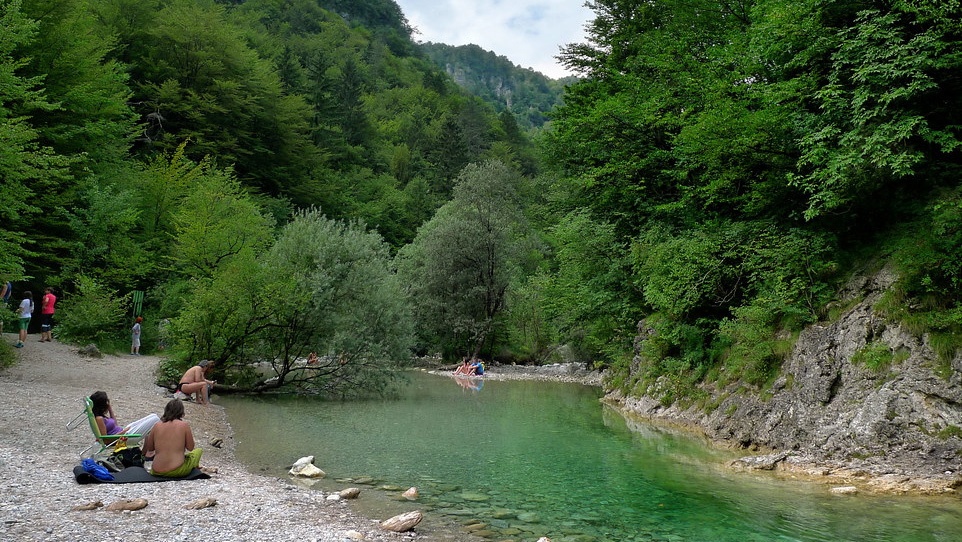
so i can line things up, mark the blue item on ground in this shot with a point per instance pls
(96, 470)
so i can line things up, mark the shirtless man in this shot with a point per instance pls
(172, 444)
(194, 381)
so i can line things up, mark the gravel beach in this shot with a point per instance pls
(44, 391)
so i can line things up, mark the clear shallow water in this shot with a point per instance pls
(537, 459)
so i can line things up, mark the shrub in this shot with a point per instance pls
(757, 352)
(93, 314)
(7, 355)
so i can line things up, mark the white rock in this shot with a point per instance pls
(305, 467)
(300, 463)
(333, 497)
(411, 494)
(845, 490)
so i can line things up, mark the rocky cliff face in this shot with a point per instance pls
(893, 429)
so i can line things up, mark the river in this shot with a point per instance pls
(523, 459)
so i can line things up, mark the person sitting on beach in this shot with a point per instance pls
(312, 359)
(464, 368)
(107, 421)
(477, 368)
(194, 381)
(172, 444)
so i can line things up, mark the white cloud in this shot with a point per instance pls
(528, 32)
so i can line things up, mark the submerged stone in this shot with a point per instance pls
(529, 517)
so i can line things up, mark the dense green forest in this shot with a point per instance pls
(529, 96)
(286, 176)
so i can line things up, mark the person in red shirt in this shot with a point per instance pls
(46, 314)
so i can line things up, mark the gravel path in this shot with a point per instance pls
(44, 391)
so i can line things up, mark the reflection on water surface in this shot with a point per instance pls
(528, 459)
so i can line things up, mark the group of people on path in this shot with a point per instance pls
(169, 442)
(26, 309)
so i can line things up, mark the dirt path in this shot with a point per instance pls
(44, 391)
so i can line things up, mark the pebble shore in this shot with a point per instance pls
(44, 391)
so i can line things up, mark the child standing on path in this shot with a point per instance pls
(25, 310)
(135, 338)
(46, 314)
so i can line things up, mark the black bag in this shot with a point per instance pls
(130, 457)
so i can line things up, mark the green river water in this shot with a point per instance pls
(531, 459)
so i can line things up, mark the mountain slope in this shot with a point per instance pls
(528, 94)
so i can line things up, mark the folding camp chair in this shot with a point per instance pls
(107, 443)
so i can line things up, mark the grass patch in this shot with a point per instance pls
(835, 310)
(712, 405)
(950, 431)
(876, 356)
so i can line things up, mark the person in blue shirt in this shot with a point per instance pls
(477, 367)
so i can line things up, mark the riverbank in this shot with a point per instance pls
(876, 475)
(44, 391)
(574, 373)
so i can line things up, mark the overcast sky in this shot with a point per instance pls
(528, 32)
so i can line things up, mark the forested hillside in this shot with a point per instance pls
(163, 146)
(286, 176)
(527, 94)
(722, 166)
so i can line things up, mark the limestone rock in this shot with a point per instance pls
(217, 442)
(831, 410)
(411, 494)
(89, 506)
(350, 493)
(402, 522)
(127, 504)
(354, 535)
(759, 462)
(304, 467)
(845, 490)
(201, 503)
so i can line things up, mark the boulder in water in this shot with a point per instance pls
(305, 468)
(402, 522)
(350, 493)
